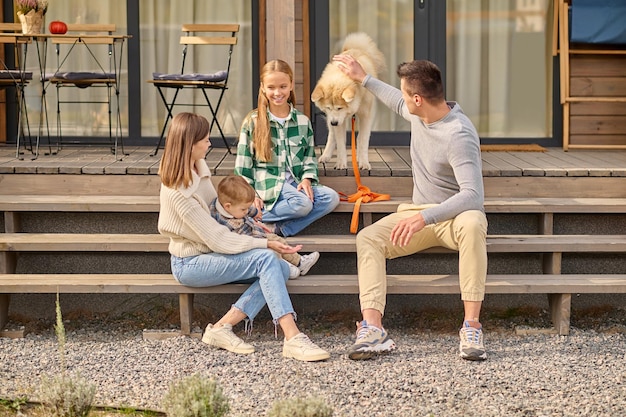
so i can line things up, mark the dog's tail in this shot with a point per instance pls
(362, 42)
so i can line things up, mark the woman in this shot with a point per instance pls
(276, 155)
(206, 253)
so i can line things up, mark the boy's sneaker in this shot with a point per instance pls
(301, 348)
(223, 337)
(294, 271)
(307, 262)
(471, 347)
(370, 341)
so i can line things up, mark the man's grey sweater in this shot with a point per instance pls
(445, 157)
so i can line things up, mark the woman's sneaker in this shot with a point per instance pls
(301, 348)
(307, 262)
(471, 346)
(370, 341)
(224, 338)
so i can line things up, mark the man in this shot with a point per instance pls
(446, 210)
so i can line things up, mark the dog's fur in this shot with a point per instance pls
(339, 98)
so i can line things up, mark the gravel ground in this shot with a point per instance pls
(583, 374)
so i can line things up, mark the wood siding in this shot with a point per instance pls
(602, 78)
(285, 35)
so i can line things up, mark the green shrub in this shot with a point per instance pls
(298, 407)
(67, 396)
(14, 404)
(195, 396)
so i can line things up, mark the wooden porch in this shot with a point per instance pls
(94, 170)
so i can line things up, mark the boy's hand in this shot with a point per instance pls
(263, 226)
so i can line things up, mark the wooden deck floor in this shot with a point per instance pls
(386, 162)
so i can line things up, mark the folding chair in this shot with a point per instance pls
(226, 37)
(87, 42)
(13, 74)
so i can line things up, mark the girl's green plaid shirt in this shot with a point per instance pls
(293, 149)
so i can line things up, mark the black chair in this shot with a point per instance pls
(13, 75)
(217, 35)
(99, 65)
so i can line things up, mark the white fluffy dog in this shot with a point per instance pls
(339, 98)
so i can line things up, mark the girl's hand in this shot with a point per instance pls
(282, 248)
(305, 186)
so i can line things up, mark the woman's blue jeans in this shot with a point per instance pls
(294, 211)
(262, 268)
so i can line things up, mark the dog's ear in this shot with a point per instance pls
(349, 93)
(317, 94)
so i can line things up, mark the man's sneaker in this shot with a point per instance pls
(471, 347)
(223, 337)
(307, 262)
(301, 348)
(294, 271)
(370, 341)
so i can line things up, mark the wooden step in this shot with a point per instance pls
(313, 284)
(104, 242)
(150, 204)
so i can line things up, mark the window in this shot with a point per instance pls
(78, 120)
(161, 22)
(390, 25)
(499, 65)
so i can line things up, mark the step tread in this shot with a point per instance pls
(313, 284)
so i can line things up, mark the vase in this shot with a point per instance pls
(32, 22)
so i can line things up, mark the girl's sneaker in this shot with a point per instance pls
(307, 262)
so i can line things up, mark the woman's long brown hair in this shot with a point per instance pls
(185, 130)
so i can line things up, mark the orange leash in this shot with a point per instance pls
(363, 194)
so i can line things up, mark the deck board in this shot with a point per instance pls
(386, 162)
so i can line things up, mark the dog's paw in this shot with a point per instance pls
(323, 159)
(341, 165)
(365, 165)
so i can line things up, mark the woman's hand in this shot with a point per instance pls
(282, 248)
(305, 186)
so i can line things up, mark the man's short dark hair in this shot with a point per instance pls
(422, 77)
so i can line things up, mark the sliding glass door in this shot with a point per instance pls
(495, 57)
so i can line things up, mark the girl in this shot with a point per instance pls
(205, 253)
(276, 155)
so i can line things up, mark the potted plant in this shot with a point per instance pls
(30, 13)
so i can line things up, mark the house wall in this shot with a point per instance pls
(602, 122)
(3, 107)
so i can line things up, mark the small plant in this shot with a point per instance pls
(195, 396)
(298, 407)
(59, 330)
(13, 404)
(25, 6)
(66, 395)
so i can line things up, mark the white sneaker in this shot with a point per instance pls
(223, 337)
(294, 271)
(307, 262)
(301, 348)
